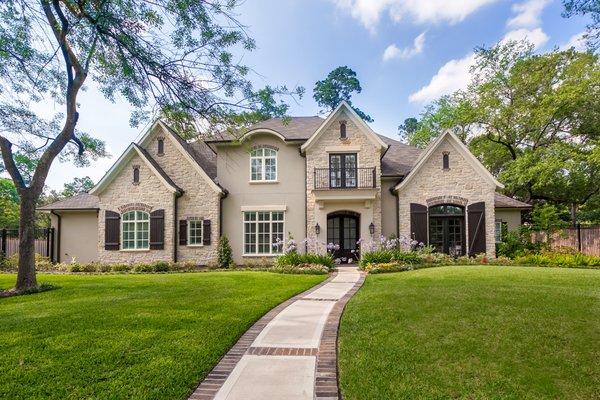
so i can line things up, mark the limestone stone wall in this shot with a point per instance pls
(150, 192)
(368, 155)
(460, 180)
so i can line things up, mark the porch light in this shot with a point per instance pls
(372, 228)
(317, 228)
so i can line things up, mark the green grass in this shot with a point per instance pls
(129, 336)
(477, 332)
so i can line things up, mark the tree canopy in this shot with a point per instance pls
(586, 7)
(339, 85)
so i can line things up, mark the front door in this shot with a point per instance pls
(342, 171)
(342, 230)
(446, 235)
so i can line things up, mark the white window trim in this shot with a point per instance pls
(134, 221)
(263, 166)
(496, 223)
(244, 222)
(189, 228)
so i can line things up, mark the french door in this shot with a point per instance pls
(343, 230)
(343, 171)
(446, 235)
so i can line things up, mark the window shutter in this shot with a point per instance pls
(206, 232)
(112, 230)
(183, 232)
(476, 215)
(157, 230)
(418, 222)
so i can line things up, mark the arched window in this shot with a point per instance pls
(161, 146)
(136, 175)
(135, 230)
(263, 164)
(343, 129)
(446, 161)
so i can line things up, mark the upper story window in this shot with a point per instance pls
(446, 160)
(136, 174)
(161, 146)
(342, 129)
(135, 230)
(263, 164)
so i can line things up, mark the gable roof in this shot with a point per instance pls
(132, 150)
(288, 129)
(82, 201)
(399, 159)
(344, 106)
(502, 201)
(461, 147)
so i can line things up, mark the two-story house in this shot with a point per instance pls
(331, 180)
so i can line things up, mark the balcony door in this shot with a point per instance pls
(343, 170)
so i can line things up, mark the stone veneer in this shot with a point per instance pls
(318, 157)
(460, 182)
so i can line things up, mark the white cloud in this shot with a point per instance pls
(392, 51)
(576, 41)
(368, 12)
(452, 76)
(528, 14)
(536, 36)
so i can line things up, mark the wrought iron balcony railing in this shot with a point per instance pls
(344, 178)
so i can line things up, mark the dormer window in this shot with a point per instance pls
(446, 160)
(342, 129)
(136, 175)
(161, 146)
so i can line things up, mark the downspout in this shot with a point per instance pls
(305, 201)
(58, 233)
(176, 197)
(221, 198)
(395, 193)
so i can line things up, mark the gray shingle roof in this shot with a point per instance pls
(399, 159)
(158, 168)
(200, 152)
(82, 201)
(293, 128)
(502, 201)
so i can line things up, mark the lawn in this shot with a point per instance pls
(129, 336)
(473, 332)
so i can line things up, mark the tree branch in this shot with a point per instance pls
(9, 163)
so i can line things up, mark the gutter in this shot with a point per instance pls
(58, 232)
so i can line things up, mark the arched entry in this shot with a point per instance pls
(447, 228)
(343, 229)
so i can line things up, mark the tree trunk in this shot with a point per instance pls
(26, 273)
(574, 214)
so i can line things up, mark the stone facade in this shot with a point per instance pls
(368, 155)
(460, 184)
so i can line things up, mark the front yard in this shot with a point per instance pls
(473, 332)
(129, 336)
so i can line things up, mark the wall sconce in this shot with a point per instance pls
(317, 228)
(372, 228)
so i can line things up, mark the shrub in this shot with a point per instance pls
(120, 267)
(142, 267)
(304, 269)
(160, 266)
(224, 254)
(554, 259)
(183, 266)
(517, 243)
(294, 259)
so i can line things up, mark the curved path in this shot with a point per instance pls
(291, 352)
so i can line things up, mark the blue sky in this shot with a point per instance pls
(427, 44)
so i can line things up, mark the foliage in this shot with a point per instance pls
(224, 253)
(517, 243)
(586, 7)
(297, 259)
(546, 217)
(556, 259)
(9, 205)
(300, 269)
(339, 85)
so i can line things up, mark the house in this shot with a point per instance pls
(331, 180)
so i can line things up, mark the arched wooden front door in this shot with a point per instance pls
(447, 229)
(343, 229)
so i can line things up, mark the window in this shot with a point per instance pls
(135, 230)
(261, 230)
(161, 146)
(194, 234)
(498, 231)
(343, 129)
(263, 164)
(136, 175)
(446, 161)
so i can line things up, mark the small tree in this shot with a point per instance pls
(224, 255)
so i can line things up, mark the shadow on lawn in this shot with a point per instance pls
(42, 287)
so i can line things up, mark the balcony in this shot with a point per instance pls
(345, 178)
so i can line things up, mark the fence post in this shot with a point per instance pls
(3, 248)
(579, 237)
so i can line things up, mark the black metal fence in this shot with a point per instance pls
(345, 178)
(44, 242)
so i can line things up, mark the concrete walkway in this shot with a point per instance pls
(290, 353)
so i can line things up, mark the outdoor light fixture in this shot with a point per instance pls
(317, 228)
(372, 228)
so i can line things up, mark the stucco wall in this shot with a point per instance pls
(317, 156)
(512, 217)
(233, 166)
(461, 180)
(388, 208)
(78, 236)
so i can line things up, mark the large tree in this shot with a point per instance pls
(339, 85)
(590, 8)
(175, 57)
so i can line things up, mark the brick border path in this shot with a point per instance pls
(326, 377)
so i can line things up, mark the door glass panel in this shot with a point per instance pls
(436, 233)
(335, 170)
(455, 236)
(350, 169)
(350, 233)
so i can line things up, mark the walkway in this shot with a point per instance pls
(290, 353)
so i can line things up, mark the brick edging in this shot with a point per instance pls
(327, 374)
(210, 385)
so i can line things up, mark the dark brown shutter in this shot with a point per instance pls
(157, 230)
(183, 232)
(418, 222)
(206, 232)
(112, 230)
(476, 240)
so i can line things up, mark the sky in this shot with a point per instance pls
(406, 53)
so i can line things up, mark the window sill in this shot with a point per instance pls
(260, 255)
(195, 245)
(261, 182)
(134, 250)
